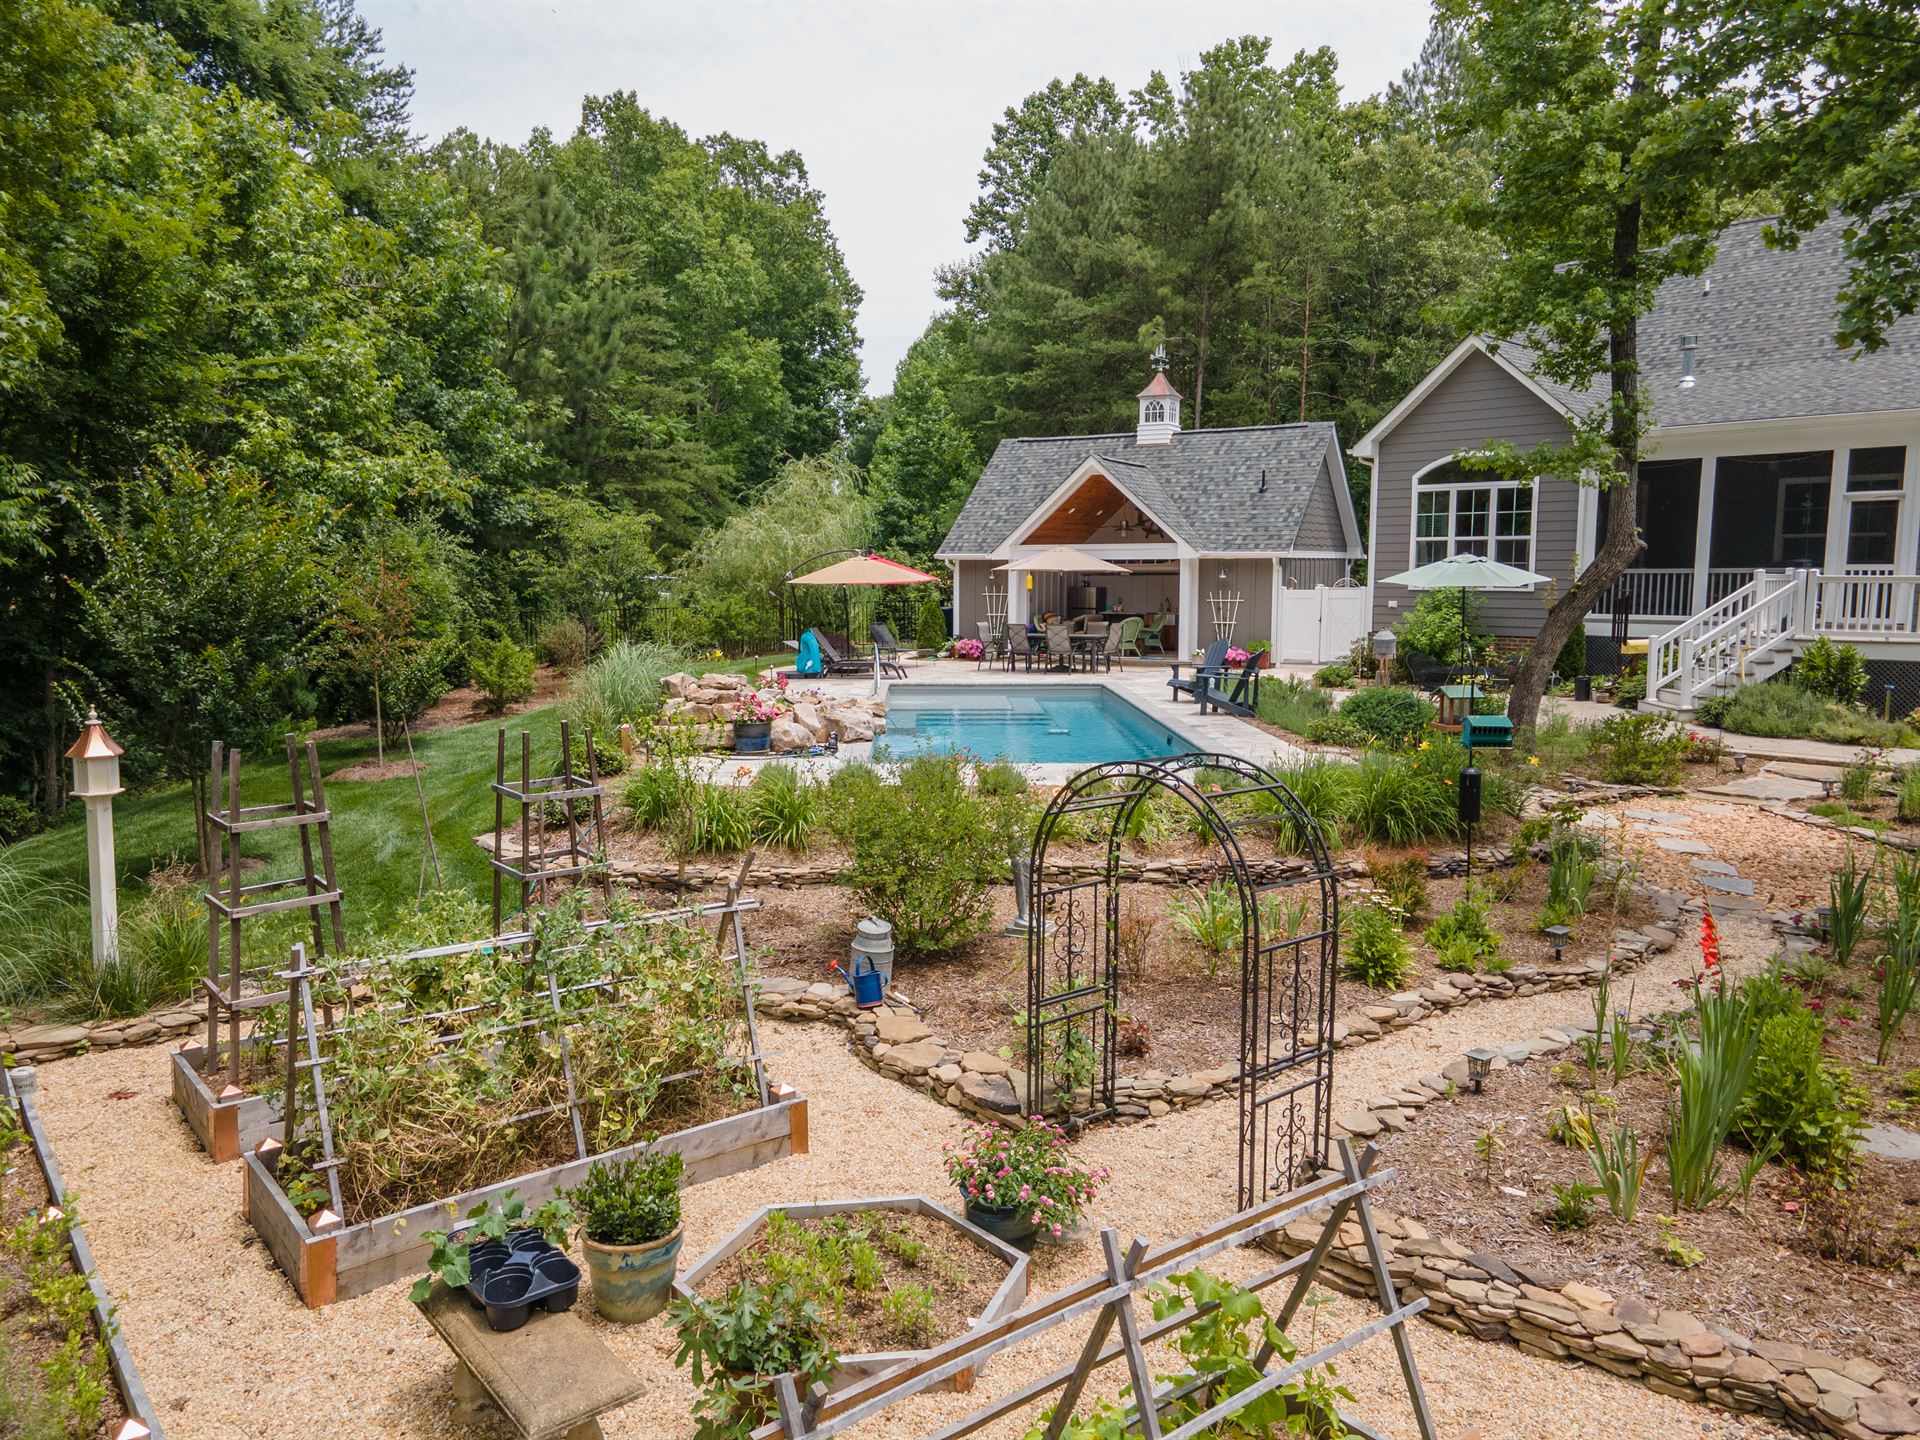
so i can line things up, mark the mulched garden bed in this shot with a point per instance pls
(958, 1279)
(1761, 1273)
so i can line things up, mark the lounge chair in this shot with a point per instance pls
(1208, 669)
(1244, 696)
(890, 649)
(837, 663)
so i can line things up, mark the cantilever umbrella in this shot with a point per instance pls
(1464, 573)
(867, 569)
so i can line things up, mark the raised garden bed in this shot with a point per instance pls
(226, 1120)
(327, 1260)
(965, 1277)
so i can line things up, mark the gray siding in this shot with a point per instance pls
(1320, 527)
(1252, 581)
(970, 578)
(1478, 402)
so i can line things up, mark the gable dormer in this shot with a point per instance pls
(1159, 406)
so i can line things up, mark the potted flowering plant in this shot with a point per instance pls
(1236, 656)
(753, 720)
(1019, 1181)
(1263, 649)
(968, 649)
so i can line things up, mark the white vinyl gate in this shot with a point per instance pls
(1319, 626)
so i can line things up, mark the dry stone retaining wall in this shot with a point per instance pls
(31, 1044)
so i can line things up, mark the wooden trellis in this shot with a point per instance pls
(305, 1063)
(1108, 1300)
(229, 906)
(537, 867)
(1225, 605)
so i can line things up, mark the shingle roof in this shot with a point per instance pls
(1765, 320)
(1204, 486)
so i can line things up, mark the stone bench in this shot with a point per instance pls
(551, 1378)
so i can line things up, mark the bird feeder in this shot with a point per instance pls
(96, 780)
(1385, 644)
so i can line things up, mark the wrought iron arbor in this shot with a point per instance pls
(1289, 940)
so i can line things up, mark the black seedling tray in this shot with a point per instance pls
(512, 1278)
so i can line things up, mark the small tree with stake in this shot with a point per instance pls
(1627, 134)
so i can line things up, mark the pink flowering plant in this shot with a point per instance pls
(1029, 1170)
(1237, 656)
(753, 706)
(968, 649)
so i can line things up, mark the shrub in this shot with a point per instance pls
(1464, 937)
(1572, 1207)
(18, 819)
(734, 1345)
(1809, 1111)
(1337, 730)
(924, 853)
(1377, 953)
(562, 643)
(1398, 800)
(1403, 881)
(1832, 672)
(1630, 689)
(1292, 705)
(930, 630)
(1333, 677)
(1572, 659)
(1641, 750)
(1391, 716)
(1781, 709)
(1712, 711)
(500, 670)
(629, 1202)
(1433, 627)
(622, 684)
(784, 805)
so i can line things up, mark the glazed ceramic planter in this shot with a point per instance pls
(1013, 1225)
(631, 1282)
(752, 737)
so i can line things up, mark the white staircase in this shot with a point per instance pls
(1753, 633)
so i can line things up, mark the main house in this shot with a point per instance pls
(1781, 499)
(1221, 532)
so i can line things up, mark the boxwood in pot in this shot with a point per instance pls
(630, 1232)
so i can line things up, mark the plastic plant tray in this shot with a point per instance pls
(511, 1279)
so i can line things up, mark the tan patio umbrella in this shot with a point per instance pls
(1064, 559)
(868, 569)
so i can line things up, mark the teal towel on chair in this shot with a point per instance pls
(809, 662)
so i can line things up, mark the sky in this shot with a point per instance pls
(890, 104)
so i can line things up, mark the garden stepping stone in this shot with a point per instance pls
(1683, 846)
(1728, 884)
(1660, 830)
(1762, 788)
(1714, 867)
(1660, 817)
(1890, 1141)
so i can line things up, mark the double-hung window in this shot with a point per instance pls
(1461, 512)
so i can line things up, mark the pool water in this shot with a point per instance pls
(1028, 724)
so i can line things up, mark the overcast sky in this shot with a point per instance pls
(891, 105)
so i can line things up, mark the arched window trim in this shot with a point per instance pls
(1155, 413)
(1462, 512)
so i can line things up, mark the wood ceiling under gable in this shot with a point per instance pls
(1080, 516)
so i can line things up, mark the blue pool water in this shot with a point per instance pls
(1028, 724)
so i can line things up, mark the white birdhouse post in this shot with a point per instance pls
(96, 780)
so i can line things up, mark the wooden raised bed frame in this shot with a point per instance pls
(1010, 1296)
(227, 1123)
(338, 1262)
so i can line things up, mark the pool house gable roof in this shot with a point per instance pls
(1238, 491)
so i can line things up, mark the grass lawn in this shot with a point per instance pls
(377, 837)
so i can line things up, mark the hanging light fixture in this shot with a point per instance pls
(1688, 345)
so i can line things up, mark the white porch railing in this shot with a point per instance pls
(1762, 626)
(1667, 594)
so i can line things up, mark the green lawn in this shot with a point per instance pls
(377, 836)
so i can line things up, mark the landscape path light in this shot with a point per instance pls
(96, 780)
(1479, 1066)
(1557, 936)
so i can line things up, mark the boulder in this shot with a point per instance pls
(900, 1027)
(990, 1092)
(677, 684)
(808, 718)
(787, 736)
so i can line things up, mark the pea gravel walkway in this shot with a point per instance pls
(228, 1352)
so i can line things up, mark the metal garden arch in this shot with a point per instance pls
(1288, 953)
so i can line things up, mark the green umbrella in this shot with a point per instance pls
(1464, 573)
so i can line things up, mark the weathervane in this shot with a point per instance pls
(1160, 358)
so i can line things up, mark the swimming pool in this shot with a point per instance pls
(1028, 724)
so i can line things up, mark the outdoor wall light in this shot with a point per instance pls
(1557, 936)
(1479, 1066)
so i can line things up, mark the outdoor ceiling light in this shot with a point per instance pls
(1479, 1066)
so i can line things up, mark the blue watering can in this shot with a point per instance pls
(869, 986)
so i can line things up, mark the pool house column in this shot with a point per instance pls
(1189, 626)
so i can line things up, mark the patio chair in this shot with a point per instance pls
(1059, 646)
(1242, 699)
(1128, 640)
(1209, 668)
(890, 650)
(1093, 643)
(837, 663)
(1150, 635)
(1108, 650)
